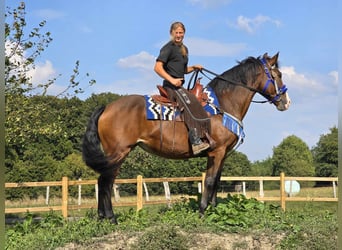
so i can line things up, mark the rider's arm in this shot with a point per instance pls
(159, 69)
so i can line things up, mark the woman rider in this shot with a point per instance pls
(171, 65)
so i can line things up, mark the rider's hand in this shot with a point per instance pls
(178, 82)
(197, 67)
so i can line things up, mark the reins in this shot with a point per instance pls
(195, 76)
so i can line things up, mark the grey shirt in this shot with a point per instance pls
(175, 64)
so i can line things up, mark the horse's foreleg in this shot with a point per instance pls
(206, 193)
(105, 187)
(213, 195)
(211, 182)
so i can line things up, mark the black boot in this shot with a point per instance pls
(196, 143)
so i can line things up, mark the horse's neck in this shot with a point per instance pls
(236, 102)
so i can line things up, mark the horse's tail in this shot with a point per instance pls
(92, 152)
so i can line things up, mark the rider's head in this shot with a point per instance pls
(177, 32)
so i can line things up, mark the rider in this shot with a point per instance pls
(171, 65)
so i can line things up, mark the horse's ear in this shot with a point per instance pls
(274, 59)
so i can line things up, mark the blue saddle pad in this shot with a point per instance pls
(157, 111)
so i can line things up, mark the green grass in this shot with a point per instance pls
(304, 225)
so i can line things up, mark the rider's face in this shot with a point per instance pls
(177, 35)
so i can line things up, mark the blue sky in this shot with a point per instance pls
(117, 42)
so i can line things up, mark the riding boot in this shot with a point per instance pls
(196, 143)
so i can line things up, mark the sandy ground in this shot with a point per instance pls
(205, 241)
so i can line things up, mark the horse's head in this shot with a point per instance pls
(273, 88)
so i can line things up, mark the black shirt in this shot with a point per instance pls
(175, 64)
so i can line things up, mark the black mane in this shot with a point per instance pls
(242, 73)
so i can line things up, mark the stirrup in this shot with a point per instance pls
(198, 148)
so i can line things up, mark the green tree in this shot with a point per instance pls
(293, 157)
(29, 116)
(236, 164)
(22, 50)
(325, 154)
(262, 168)
(25, 116)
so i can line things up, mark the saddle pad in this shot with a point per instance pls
(234, 125)
(157, 111)
(212, 105)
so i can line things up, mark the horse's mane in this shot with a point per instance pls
(244, 72)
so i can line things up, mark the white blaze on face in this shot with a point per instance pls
(288, 103)
(284, 103)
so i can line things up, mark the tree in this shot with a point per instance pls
(236, 164)
(293, 157)
(262, 168)
(22, 50)
(27, 112)
(325, 154)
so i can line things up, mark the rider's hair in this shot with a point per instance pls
(174, 26)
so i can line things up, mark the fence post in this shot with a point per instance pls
(282, 190)
(167, 192)
(139, 193)
(65, 197)
(334, 188)
(97, 192)
(116, 192)
(261, 187)
(147, 196)
(47, 195)
(244, 188)
(79, 193)
(203, 182)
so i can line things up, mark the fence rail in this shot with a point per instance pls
(65, 183)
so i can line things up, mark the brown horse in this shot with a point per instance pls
(113, 131)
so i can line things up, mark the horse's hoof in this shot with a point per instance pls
(112, 220)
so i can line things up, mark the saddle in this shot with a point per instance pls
(197, 90)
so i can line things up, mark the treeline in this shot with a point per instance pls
(43, 143)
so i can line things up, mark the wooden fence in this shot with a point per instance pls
(65, 183)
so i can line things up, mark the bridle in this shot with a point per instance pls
(270, 79)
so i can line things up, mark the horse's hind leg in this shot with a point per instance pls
(105, 187)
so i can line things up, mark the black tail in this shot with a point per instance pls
(93, 155)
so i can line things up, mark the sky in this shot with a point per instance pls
(117, 42)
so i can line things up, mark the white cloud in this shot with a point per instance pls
(334, 75)
(205, 47)
(42, 72)
(86, 29)
(141, 61)
(209, 3)
(13, 52)
(142, 82)
(301, 82)
(250, 25)
(39, 74)
(49, 14)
